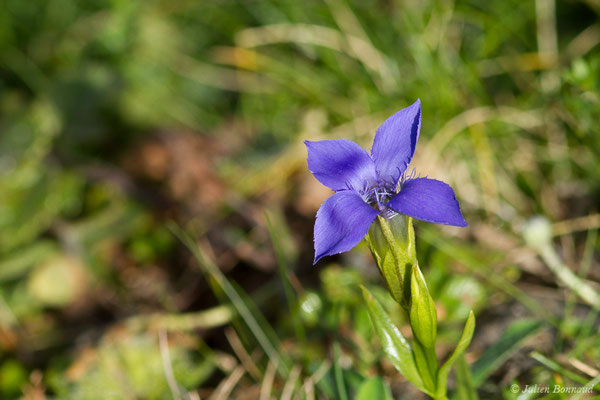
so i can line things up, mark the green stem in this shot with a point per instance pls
(425, 357)
(426, 364)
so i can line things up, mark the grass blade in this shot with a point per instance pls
(556, 367)
(339, 374)
(236, 299)
(509, 342)
(283, 266)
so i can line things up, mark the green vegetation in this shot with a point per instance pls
(156, 210)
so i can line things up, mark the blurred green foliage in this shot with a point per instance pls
(117, 117)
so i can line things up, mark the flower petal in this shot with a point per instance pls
(395, 143)
(340, 164)
(428, 200)
(342, 222)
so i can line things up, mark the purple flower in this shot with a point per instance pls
(370, 185)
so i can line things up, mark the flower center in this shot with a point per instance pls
(377, 196)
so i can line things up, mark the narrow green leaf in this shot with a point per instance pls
(374, 389)
(465, 390)
(327, 383)
(339, 376)
(556, 367)
(476, 266)
(234, 295)
(509, 342)
(462, 345)
(19, 262)
(395, 346)
(590, 384)
(275, 233)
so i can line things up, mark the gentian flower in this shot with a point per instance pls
(377, 184)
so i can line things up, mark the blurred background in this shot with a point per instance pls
(156, 210)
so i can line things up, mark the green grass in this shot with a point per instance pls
(122, 119)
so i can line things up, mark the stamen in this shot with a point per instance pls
(408, 176)
(348, 185)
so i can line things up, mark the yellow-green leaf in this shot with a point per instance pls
(394, 344)
(462, 345)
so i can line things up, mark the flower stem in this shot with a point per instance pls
(426, 364)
